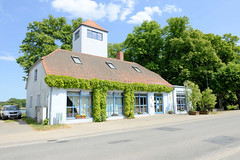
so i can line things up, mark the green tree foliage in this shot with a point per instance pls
(227, 79)
(44, 37)
(144, 45)
(14, 101)
(193, 95)
(113, 48)
(208, 100)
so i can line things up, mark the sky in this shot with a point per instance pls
(117, 16)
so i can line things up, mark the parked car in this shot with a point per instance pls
(10, 111)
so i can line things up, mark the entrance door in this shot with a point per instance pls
(158, 103)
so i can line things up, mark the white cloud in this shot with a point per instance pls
(87, 9)
(171, 9)
(92, 9)
(113, 10)
(128, 9)
(145, 15)
(6, 56)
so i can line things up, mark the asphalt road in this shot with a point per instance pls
(203, 139)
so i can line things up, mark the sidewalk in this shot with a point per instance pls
(29, 136)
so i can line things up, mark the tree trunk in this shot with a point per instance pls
(220, 105)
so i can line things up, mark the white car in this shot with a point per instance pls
(10, 111)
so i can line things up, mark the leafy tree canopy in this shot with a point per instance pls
(44, 37)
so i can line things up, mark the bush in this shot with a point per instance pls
(208, 100)
(46, 121)
(232, 107)
(193, 95)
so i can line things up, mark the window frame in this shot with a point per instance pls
(75, 61)
(111, 108)
(35, 75)
(141, 106)
(181, 107)
(76, 35)
(79, 94)
(111, 65)
(94, 35)
(136, 69)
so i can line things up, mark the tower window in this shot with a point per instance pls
(35, 75)
(110, 65)
(76, 60)
(137, 69)
(76, 35)
(94, 35)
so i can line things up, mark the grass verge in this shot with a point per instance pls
(40, 127)
(11, 120)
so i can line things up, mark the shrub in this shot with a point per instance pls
(193, 95)
(232, 107)
(46, 121)
(208, 100)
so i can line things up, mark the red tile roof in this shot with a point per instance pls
(60, 62)
(93, 24)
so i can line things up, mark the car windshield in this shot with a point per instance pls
(9, 108)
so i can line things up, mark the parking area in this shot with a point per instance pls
(13, 128)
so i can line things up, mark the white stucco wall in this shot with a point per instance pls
(36, 89)
(88, 45)
(151, 110)
(178, 90)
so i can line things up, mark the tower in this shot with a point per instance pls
(90, 38)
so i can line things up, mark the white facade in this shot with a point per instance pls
(85, 44)
(37, 90)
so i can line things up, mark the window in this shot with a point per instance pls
(30, 102)
(35, 75)
(137, 69)
(181, 102)
(76, 60)
(94, 35)
(141, 103)
(38, 100)
(110, 65)
(76, 35)
(114, 104)
(79, 103)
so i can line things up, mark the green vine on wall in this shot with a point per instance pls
(100, 88)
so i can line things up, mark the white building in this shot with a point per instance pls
(88, 61)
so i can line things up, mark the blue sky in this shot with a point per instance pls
(117, 16)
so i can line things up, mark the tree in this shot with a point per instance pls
(114, 48)
(193, 95)
(228, 79)
(208, 100)
(44, 37)
(144, 45)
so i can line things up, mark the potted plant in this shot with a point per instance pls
(170, 112)
(78, 116)
(83, 116)
(207, 102)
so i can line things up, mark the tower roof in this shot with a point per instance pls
(92, 24)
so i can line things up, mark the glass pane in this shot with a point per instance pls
(94, 35)
(183, 101)
(84, 101)
(86, 93)
(76, 111)
(118, 101)
(89, 101)
(137, 100)
(116, 110)
(145, 109)
(120, 110)
(69, 101)
(118, 94)
(178, 100)
(69, 112)
(137, 109)
(83, 111)
(89, 114)
(89, 33)
(109, 94)
(76, 101)
(110, 101)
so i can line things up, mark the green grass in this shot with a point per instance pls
(10, 120)
(40, 127)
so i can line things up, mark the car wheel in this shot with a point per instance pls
(19, 117)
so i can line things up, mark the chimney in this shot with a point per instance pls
(120, 55)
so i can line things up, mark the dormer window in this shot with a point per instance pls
(76, 35)
(76, 60)
(94, 35)
(137, 69)
(110, 65)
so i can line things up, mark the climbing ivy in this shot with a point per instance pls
(100, 88)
